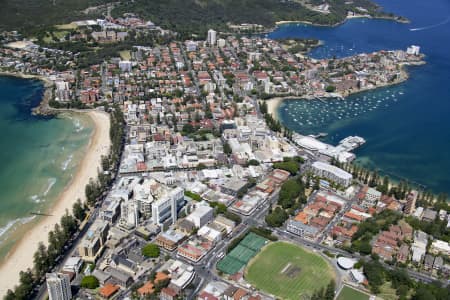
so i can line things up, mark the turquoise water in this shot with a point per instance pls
(38, 156)
(407, 126)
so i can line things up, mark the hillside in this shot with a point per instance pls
(18, 14)
(183, 16)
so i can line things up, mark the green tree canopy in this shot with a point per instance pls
(151, 250)
(90, 282)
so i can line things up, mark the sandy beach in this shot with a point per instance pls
(21, 256)
(274, 103)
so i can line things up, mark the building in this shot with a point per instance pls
(233, 186)
(125, 66)
(181, 274)
(301, 229)
(225, 224)
(58, 286)
(332, 173)
(129, 215)
(108, 290)
(419, 246)
(357, 276)
(413, 50)
(410, 205)
(212, 37)
(94, 240)
(111, 212)
(372, 196)
(73, 265)
(439, 246)
(170, 239)
(168, 294)
(202, 214)
(345, 263)
(195, 249)
(428, 262)
(165, 209)
(119, 277)
(429, 215)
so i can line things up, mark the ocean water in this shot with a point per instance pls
(407, 126)
(38, 156)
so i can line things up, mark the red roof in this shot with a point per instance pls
(108, 290)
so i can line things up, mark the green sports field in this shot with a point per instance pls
(288, 271)
(348, 293)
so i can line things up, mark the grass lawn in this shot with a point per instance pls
(125, 55)
(288, 271)
(387, 292)
(348, 293)
(68, 26)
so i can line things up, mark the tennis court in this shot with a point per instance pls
(241, 254)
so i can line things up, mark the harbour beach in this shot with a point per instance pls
(20, 257)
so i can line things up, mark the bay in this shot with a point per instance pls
(407, 126)
(38, 155)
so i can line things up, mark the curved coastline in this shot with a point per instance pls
(274, 103)
(20, 256)
(395, 19)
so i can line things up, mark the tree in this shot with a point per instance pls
(329, 292)
(253, 162)
(330, 89)
(90, 282)
(290, 166)
(188, 129)
(10, 295)
(41, 261)
(277, 217)
(78, 210)
(151, 250)
(227, 149)
(374, 273)
(220, 208)
(423, 294)
(69, 226)
(25, 288)
(263, 107)
(200, 167)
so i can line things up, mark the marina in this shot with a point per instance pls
(342, 152)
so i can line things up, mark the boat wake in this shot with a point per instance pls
(431, 26)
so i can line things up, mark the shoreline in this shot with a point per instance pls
(20, 256)
(274, 103)
(347, 18)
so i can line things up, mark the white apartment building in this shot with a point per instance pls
(58, 286)
(165, 209)
(212, 37)
(332, 173)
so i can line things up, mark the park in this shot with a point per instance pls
(288, 271)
